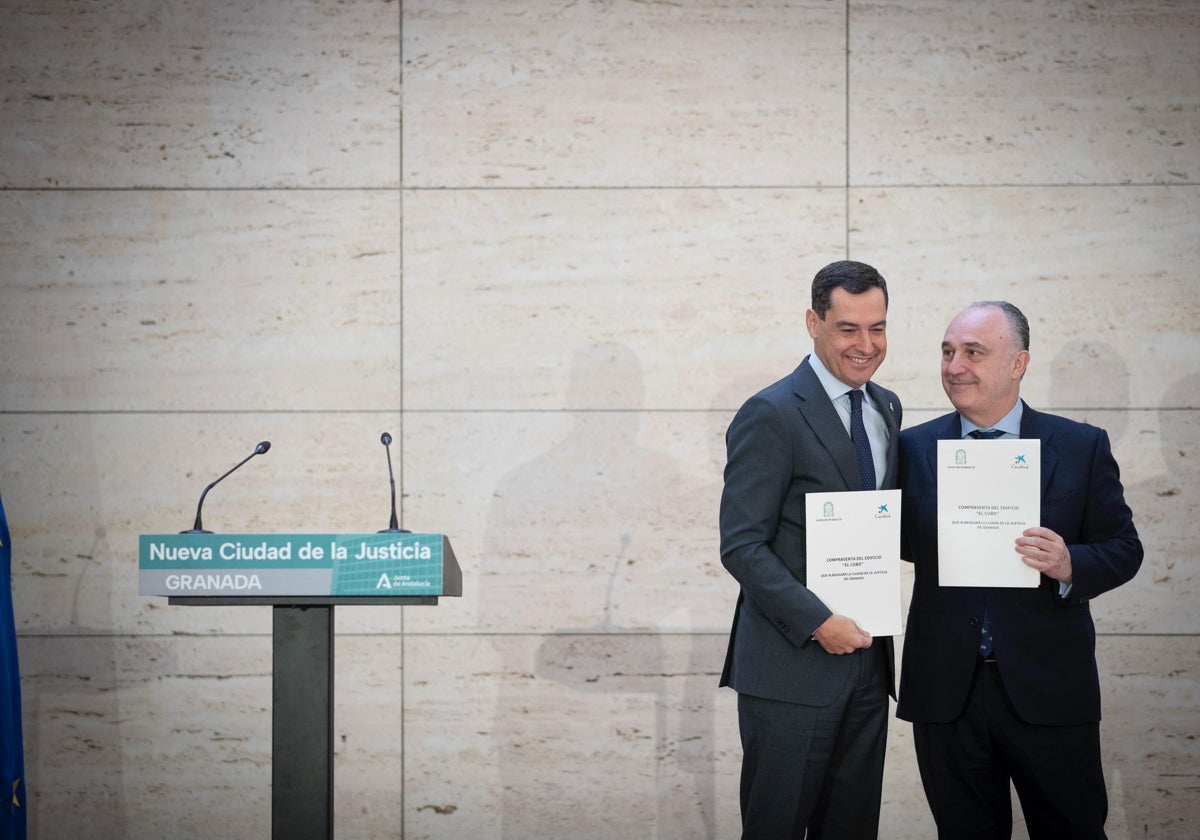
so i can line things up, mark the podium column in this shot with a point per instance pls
(302, 723)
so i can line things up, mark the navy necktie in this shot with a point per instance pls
(989, 434)
(986, 643)
(862, 444)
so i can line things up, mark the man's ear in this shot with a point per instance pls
(1020, 363)
(810, 321)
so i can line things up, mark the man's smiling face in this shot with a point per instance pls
(851, 340)
(982, 365)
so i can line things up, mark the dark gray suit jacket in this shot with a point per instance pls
(786, 441)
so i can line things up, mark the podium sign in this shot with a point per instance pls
(379, 565)
(302, 577)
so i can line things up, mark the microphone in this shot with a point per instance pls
(198, 528)
(394, 526)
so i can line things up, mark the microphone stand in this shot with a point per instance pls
(197, 528)
(394, 524)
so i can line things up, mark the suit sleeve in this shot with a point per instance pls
(758, 479)
(1107, 551)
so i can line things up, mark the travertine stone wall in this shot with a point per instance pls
(550, 246)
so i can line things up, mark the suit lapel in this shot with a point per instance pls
(818, 411)
(887, 407)
(1033, 426)
(947, 427)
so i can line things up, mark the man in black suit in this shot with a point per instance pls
(1001, 684)
(812, 688)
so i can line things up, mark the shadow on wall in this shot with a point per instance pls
(1150, 729)
(1088, 376)
(601, 725)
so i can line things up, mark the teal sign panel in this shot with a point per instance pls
(383, 564)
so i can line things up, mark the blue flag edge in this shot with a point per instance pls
(12, 751)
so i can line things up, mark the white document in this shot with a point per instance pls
(853, 545)
(989, 491)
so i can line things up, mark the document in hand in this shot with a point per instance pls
(989, 491)
(853, 563)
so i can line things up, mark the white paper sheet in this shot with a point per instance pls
(989, 491)
(853, 545)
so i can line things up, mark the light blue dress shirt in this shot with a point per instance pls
(1010, 423)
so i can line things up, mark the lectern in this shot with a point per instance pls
(302, 577)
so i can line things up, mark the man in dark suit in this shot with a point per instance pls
(1001, 684)
(812, 688)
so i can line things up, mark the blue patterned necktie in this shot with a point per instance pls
(986, 645)
(862, 445)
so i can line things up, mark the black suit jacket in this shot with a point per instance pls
(1045, 645)
(786, 441)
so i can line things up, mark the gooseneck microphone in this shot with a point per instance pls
(394, 526)
(198, 528)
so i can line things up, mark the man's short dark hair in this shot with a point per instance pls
(1018, 324)
(854, 277)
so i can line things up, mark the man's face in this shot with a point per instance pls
(981, 365)
(851, 341)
